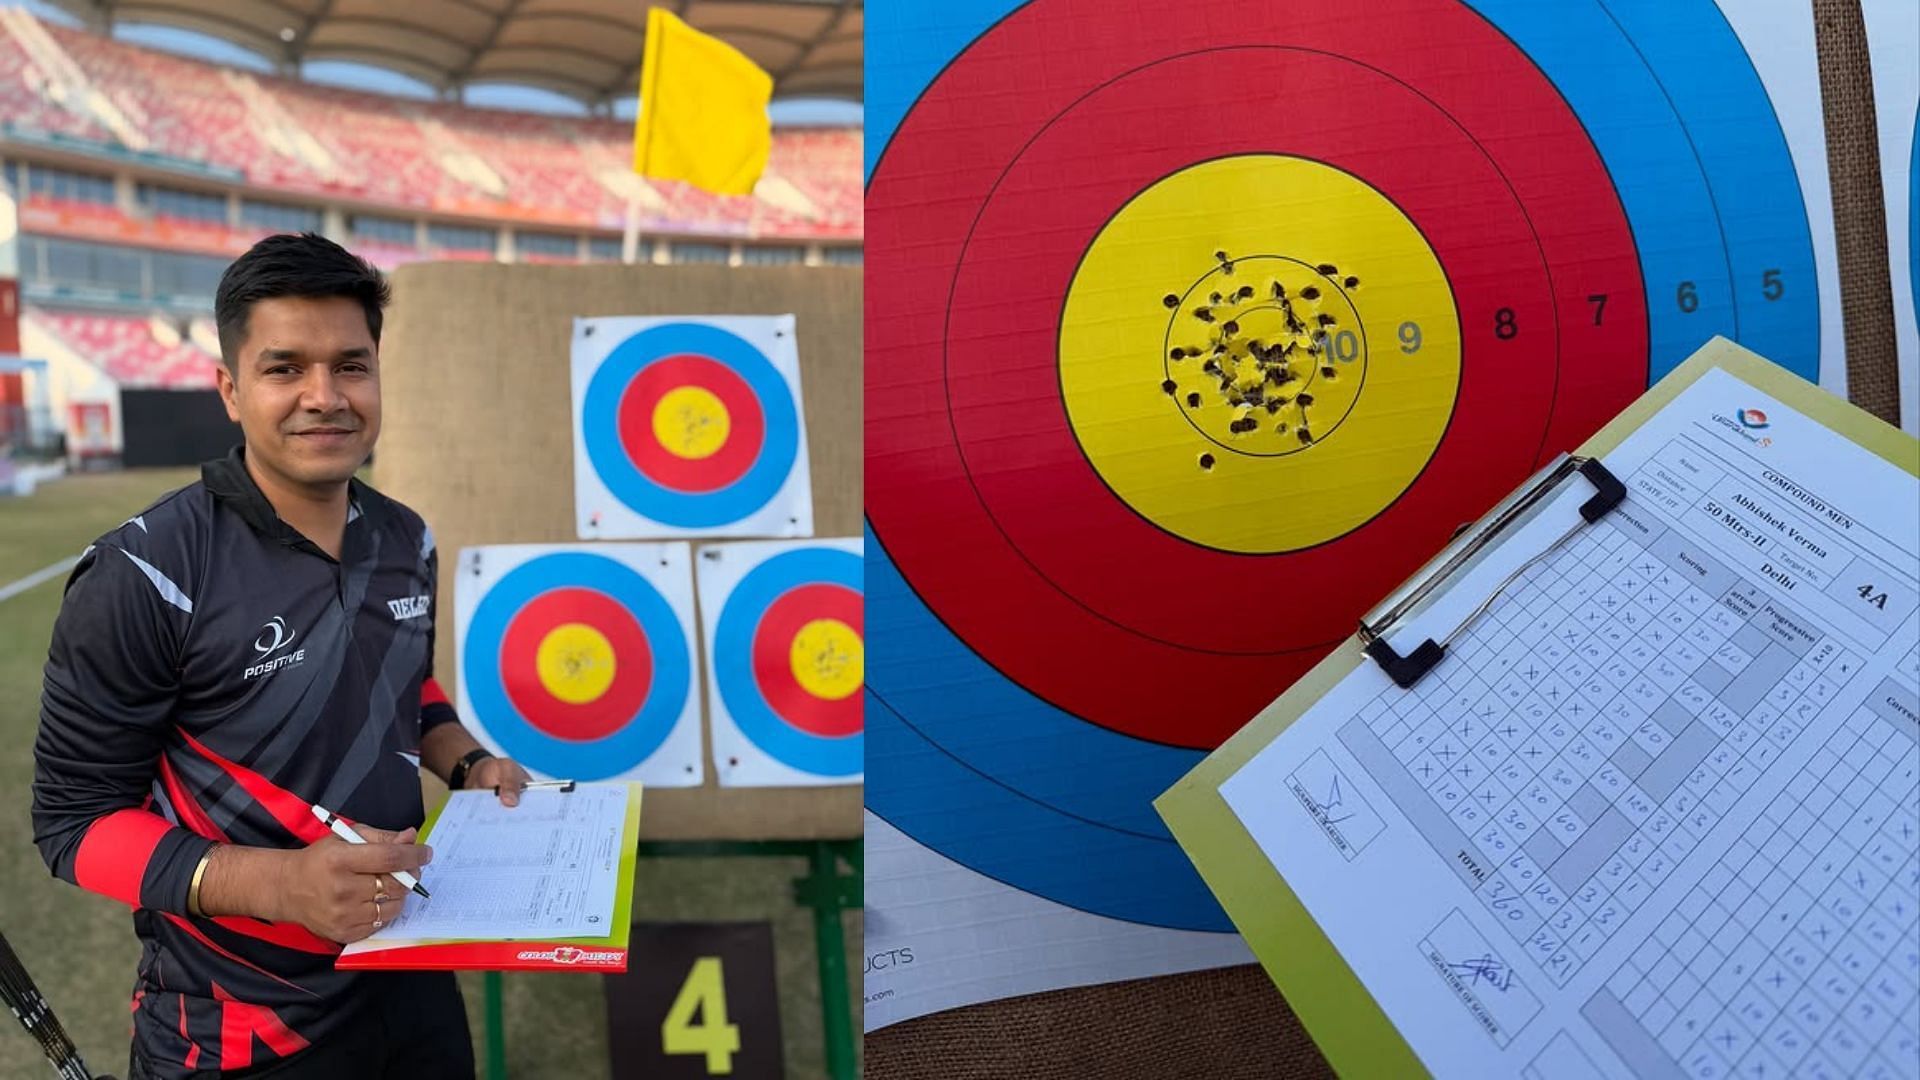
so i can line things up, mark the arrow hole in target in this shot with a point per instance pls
(1262, 359)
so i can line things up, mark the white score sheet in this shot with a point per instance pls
(1657, 815)
(548, 868)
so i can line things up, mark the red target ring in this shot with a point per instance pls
(746, 434)
(773, 666)
(999, 381)
(982, 496)
(633, 664)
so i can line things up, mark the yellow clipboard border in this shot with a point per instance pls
(1342, 1017)
(370, 956)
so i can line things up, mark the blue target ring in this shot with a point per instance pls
(733, 660)
(1670, 98)
(666, 697)
(984, 772)
(600, 427)
(963, 771)
(1913, 215)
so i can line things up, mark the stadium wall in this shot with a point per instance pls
(173, 427)
(75, 384)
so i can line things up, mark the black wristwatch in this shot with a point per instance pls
(457, 779)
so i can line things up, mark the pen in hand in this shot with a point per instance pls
(345, 832)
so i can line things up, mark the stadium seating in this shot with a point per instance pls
(815, 160)
(30, 100)
(136, 351)
(379, 149)
(544, 171)
(184, 109)
(421, 156)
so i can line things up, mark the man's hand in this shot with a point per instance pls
(503, 773)
(331, 885)
(446, 744)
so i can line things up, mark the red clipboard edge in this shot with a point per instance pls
(489, 956)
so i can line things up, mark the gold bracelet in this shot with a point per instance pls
(193, 890)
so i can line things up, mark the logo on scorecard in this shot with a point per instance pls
(1744, 422)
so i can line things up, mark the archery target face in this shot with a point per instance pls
(1197, 330)
(785, 632)
(577, 661)
(689, 426)
(1120, 398)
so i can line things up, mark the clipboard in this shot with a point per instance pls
(607, 953)
(1339, 1013)
(1468, 546)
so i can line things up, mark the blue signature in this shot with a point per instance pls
(1326, 806)
(1488, 969)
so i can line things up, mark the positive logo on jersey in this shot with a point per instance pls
(274, 636)
(408, 607)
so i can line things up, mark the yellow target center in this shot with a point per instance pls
(575, 663)
(1259, 353)
(691, 422)
(829, 659)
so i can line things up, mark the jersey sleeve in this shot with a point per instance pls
(435, 709)
(105, 710)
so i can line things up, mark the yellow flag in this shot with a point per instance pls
(703, 110)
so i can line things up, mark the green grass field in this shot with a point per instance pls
(80, 947)
(63, 517)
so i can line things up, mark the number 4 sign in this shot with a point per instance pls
(697, 1021)
(698, 1000)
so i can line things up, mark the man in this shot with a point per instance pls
(250, 647)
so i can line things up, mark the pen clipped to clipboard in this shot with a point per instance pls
(1421, 593)
(564, 787)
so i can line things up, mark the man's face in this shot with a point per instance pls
(305, 388)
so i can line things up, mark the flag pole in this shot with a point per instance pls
(630, 241)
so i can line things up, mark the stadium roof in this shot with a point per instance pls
(588, 50)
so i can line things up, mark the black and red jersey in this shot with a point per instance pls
(213, 675)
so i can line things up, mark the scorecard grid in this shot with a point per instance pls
(1582, 739)
(1798, 952)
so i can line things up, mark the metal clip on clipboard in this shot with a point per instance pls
(1466, 549)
